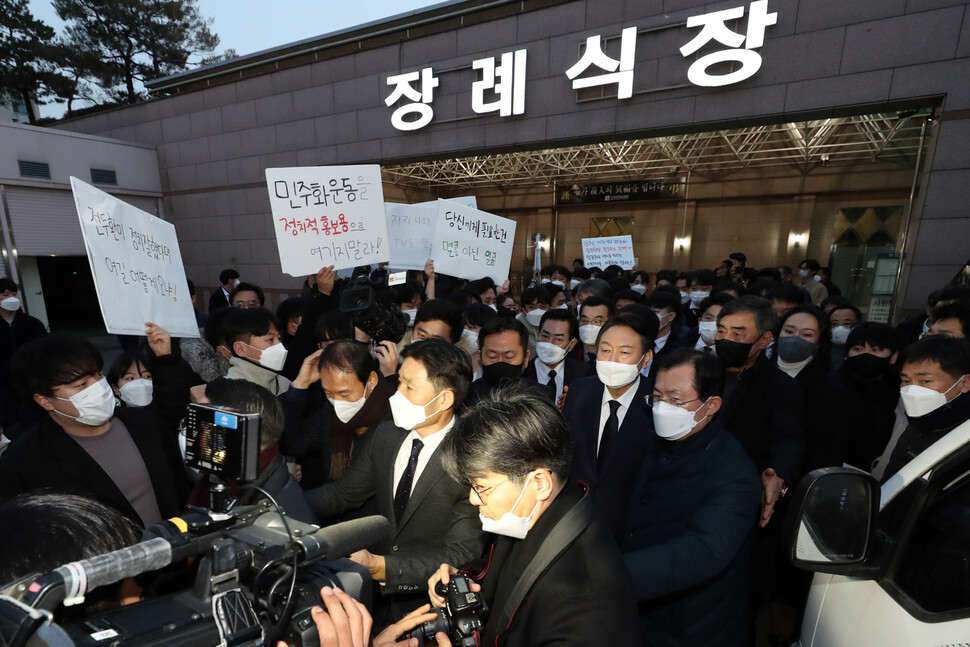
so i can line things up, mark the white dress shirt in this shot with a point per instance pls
(625, 401)
(430, 443)
(542, 374)
(701, 345)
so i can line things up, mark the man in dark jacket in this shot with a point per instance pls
(554, 575)
(558, 336)
(17, 328)
(228, 280)
(504, 345)
(127, 458)
(687, 540)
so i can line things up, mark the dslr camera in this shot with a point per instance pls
(257, 573)
(462, 618)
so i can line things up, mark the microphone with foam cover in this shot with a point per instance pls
(342, 539)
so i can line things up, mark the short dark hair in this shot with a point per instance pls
(667, 275)
(594, 287)
(290, 309)
(187, 281)
(956, 310)
(444, 311)
(719, 299)
(405, 292)
(504, 324)
(334, 325)
(708, 374)
(350, 356)
(538, 294)
(787, 293)
(628, 294)
(770, 273)
(250, 397)
(214, 330)
(242, 324)
(122, 363)
(849, 306)
(952, 354)
(478, 314)
(703, 277)
(227, 274)
(561, 315)
(53, 360)
(765, 319)
(874, 334)
(481, 286)
(242, 287)
(593, 301)
(7, 284)
(447, 366)
(644, 277)
(664, 299)
(510, 432)
(723, 286)
(824, 326)
(810, 264)
(836, 301)
(645, 327)
(45, 530)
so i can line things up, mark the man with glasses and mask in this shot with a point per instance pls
(553, 575)
(687, 538)
(126, 457)
(431, 517)
(608, 417)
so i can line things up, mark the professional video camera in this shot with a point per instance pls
(381, 321)
(462, 618)
(259, 572)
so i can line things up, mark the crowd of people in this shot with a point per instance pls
(606, 455)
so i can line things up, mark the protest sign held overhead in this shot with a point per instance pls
(612, 250)
(472, 244)
(467, 200)
(136, 265)
(328, 215)
(410, 230)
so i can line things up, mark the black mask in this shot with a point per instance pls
(867, 365)
(795, 349)
(501, 373)
(732, 354)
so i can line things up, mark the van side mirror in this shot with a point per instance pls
(832, 521)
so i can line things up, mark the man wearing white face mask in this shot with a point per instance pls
(17, 329)
(258, 354)
(553, 566)
(687, 538)
(535, 303)
(558, 335)
(125, 457)
(935, 382)
(401, 468)
(608, 417)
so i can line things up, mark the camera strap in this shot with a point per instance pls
(559, 539)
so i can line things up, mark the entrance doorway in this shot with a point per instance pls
(70, 296)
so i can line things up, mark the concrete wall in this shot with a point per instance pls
(823, 57)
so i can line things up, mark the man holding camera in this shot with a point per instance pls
(554, 575)
(401, 468)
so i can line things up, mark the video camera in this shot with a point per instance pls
(259, 572)
(379, 320)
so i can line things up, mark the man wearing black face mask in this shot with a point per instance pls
(860, 400)
(504, 347)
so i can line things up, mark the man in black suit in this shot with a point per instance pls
(432, 518)
(504, 345)
(554, 576)
(673, 332)
(125, 457)
(558, 335)
(229, 279)
(608, 416)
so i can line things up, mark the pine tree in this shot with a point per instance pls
(28, 57)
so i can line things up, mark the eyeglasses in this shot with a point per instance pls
(653, 398)
(596, 321)
(480, 493)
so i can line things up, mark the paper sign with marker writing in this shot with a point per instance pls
(328, 215)
(472, 244)
(613, 250)
(467, 200)
(136, 265)
(410, 229)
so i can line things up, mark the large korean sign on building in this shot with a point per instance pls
(722, 56)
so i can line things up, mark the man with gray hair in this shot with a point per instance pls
(553, 574)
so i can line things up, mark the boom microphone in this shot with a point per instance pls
(342, 539)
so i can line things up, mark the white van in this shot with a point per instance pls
(892, 563)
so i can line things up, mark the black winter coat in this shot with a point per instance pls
(688, 540)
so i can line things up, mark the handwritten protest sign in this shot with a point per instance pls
(614, 250)
(410, 230)
(468, 201)
(136, 265)
(328, 215)
(471, 244)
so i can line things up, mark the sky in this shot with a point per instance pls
(253, 25)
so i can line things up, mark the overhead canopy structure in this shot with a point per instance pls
(891, 137)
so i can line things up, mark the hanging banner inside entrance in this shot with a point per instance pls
(136, 265)
(328, 215)
(472, 244)
(613, 250)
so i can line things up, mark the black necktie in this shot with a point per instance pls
(552, 380)
(610, 430)
(404, 486)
